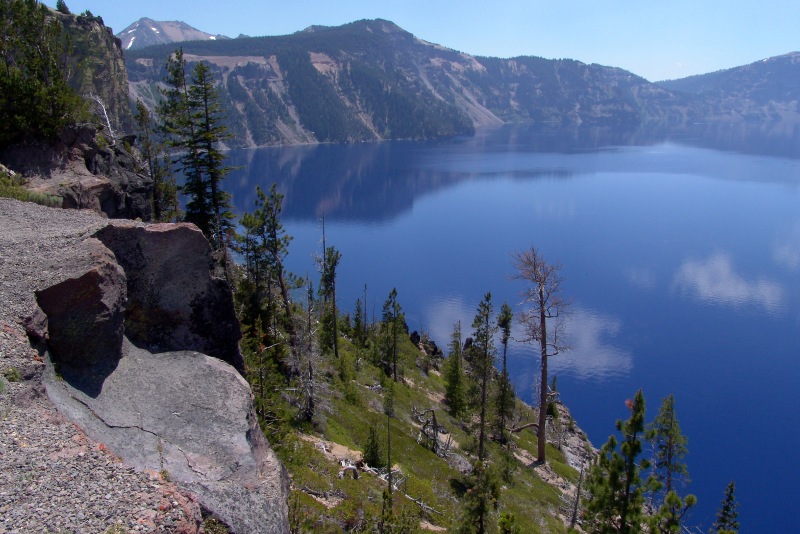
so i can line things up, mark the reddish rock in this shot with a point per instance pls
(174, 303)
(85, 312)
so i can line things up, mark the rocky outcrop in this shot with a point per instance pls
(86, 172)
(173, 301)
(156, 402)
(190, 417)
(97, 68)
(84, 314)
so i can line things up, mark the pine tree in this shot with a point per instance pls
(360, 325)
(329, 337)
(192, 119)
(392, 322)
(61, 7)
(36, 102)
(165, 192)
(483, 362)
(264, 246)
(388, 410)
(615, 481)
(728, 516)
(207, 115)
(669, 448)
(373, 456)
(505, 390)
(480, 498)
(455, 381)
(508, 524)
(668, 517)
(178, 127)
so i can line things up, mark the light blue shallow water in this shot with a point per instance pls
(681, 253)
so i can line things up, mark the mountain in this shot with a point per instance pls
(371, 80)
(765, 90)
(148, 32)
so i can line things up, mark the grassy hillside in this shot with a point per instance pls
(350, 398)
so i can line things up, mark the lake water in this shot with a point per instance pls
(680, 250)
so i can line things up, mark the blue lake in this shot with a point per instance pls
(680, 250)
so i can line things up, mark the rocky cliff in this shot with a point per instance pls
(86, 172)
(120, 335)
(97, 69)
(372, 80)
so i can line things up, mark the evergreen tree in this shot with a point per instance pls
(615, 481)
(373, 456)
(329, 337)
(388, 410)
(669, 448)
(178, 127)
(192, 119)
(727, 521)
(61, 7)
(482, 362)
(360, 325)
(391, 324)
(508, 524)
(207, 115)
(480, 498)
(264, 246)
(165, 192)
(455, 382)
(505, 390)
(668, 517)
(36, 102)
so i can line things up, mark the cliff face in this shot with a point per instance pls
(98, 68)
(153, 400)
(372, 80)
(86, 172)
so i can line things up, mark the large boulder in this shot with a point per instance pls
(85, 312)
(190, 417)
(155, 400)
(174, 303)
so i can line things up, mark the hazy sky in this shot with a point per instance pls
(655, 39)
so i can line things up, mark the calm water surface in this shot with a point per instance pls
(680, 250)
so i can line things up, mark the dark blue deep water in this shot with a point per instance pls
(680, 250)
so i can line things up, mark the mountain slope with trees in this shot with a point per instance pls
(371, 80)
(764, 90)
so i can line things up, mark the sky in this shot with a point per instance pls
(658, 40)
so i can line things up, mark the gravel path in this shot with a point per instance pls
(52, 477)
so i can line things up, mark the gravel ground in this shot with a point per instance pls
(52, 477)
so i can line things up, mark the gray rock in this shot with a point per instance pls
(173, 301)
(192, 416)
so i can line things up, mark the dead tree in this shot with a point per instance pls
(429, 433)
(543, 322)
(102, 106)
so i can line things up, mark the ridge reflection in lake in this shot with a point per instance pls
(680, 249)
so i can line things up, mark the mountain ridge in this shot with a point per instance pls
(372, 80)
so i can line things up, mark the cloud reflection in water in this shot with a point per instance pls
(714, 280)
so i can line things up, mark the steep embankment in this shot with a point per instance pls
(142, 419)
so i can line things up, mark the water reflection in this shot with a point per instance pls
(787, 250)
(592, 354)
(375, 182)
(714, 280)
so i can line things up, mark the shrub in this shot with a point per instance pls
(12, 374)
